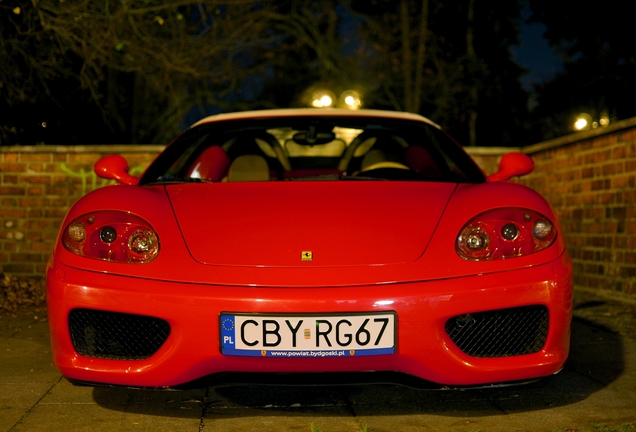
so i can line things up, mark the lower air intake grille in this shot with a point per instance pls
(117, 336)
(500, 333)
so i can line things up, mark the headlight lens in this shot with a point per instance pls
(76, 232)
(542, 229)
(112, 236)
(142, 242)
(504, 233)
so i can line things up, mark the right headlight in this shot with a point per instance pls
(504, 233)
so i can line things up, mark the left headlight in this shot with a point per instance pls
(504, 233)
(112, 236)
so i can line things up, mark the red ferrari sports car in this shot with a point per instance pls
(313, 242)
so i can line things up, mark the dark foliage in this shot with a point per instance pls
(600, 64)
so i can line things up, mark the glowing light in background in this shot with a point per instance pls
(582, 122)
(585, 122)
(349, 99)
(323, 99)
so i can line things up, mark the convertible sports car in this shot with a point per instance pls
(361, 245)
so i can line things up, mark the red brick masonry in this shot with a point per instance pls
(588, 177)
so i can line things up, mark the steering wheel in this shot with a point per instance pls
(385, 164)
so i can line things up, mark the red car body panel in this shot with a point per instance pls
(378, 246)
(439, 262)
(309, 216)
(423, 348)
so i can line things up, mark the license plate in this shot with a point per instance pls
(308, 336)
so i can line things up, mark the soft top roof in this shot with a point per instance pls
(315, 112)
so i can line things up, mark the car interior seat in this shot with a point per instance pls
(248, 168)
(212, 164)
(420, 160)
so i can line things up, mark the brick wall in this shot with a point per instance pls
(588, 177)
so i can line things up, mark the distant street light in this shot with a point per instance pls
(323, 99)
(349, 99)
(585, 122)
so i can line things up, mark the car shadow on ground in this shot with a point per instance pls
(596, 360)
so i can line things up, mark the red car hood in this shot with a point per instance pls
(276, 224)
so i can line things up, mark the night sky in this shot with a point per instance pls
(535, 54)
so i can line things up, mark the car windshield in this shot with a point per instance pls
(313, 148)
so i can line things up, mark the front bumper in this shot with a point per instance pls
(424, 348)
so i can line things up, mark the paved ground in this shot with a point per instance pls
(597, 387)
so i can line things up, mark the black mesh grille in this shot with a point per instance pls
(500, 333)
(119, 336)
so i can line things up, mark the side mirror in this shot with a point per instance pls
(512, 165)
(114, 167)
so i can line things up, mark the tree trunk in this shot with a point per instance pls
(470, 51)
(407, 55)
(421, 57)
(413, 66)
